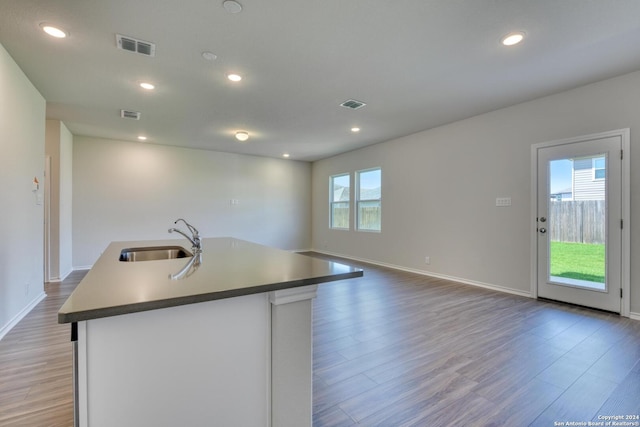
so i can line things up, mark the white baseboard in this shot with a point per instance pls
(82, 267)
(634, 316)
(18, 317)
(60, 279)
(436, 275)
(301, 250)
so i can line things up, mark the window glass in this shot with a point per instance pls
(599, 168)
(340, 187)
(369, 200)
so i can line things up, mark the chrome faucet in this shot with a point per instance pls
(195, 235)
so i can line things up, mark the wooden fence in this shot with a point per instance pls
(369, 220)
(577, 221)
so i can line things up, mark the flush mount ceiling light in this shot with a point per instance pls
(54, 31)
(242, 136)
(512, 39)
(232, 6)
(355, 129)
(147, 86)
(142, 138)
(286, 155)
(234, 77)
(209, 56)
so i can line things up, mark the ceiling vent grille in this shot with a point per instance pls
(134, 45)
(352, 104)
(127, 114)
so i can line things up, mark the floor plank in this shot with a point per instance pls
(35, 365)
(460, 355)
(396, 349)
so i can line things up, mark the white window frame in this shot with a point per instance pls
(334, 202)
(358, 200)
(594, 168)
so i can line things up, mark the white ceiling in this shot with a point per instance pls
(416, 63)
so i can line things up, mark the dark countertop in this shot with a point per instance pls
(229, 268)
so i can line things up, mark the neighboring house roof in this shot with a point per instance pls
(340, 194)
(564, 191)
(370, 193)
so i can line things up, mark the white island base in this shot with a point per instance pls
(236, 362)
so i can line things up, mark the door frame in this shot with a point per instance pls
(47, 219)
(625, 267)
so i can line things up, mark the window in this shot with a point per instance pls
(339, 189)
(599, 168)
(369, 199)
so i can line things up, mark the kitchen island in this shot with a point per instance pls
(227, 343)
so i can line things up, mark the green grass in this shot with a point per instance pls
(578, 261)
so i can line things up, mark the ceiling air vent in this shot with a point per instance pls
(126, 114)
(353, 104)
(134, 45)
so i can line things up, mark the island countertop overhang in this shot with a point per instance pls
(229, 268)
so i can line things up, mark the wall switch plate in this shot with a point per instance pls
(503, 201)
(427, 260)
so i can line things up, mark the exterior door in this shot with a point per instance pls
(579, 222)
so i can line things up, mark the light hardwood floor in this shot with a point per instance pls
(397, 349)
(35, 365)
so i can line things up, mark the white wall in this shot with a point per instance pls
(439, 187)
(22, 118)
(130, 191)
(66, 201)
(59, 147)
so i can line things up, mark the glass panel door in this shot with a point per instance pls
(579, 209)
(577, 222)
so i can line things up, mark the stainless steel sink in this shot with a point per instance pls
(154, 253)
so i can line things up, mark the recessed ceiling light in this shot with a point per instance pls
(54, 31)
(232, 6)
(146, 85)
(242, 135)
(234, 77)
(355, 129)
(285, 155)
(142, 138)
(512, 39)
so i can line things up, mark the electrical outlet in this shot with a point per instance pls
(427, 260)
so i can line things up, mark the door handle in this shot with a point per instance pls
(543, 230)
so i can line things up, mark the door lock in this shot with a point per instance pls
(543, 219)
(543, 230)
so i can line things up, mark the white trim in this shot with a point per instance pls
(626, 217)
(83, 380)
(297, 251)
(625, 269)
(82, 267)
(18, 317)
(533, 243)
(431, 274)
(286, 296)
(60, 279)
(634, 316)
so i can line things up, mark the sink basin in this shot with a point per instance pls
(154, 253)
